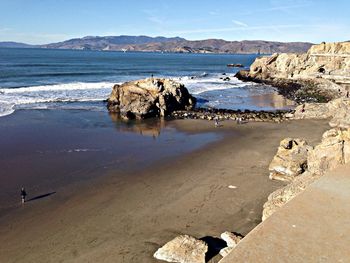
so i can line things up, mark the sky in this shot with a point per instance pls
(47, 21)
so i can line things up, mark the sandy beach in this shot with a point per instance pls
(125, 216)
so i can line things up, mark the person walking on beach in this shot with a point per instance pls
(23, 195)
(217, 122)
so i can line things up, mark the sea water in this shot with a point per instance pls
(74, 79)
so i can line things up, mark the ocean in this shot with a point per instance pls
(71, 79)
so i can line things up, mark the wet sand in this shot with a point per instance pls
(125, 217)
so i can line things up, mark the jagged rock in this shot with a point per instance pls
(149, 97)
(183, 249)
(331, 152)
(231, 239)
(281, 196)
(320, 74)
(334, 150)
(290, 160)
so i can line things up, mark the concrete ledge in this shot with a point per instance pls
(313, 227)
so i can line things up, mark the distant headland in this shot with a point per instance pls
(173, 45)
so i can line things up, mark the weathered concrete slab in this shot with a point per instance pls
(313, 227)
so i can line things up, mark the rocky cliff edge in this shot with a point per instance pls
(321, 74)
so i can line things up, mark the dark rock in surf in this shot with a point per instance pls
(152, 97)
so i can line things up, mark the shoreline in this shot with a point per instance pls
(129, 217)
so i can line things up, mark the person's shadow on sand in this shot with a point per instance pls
(40, 197)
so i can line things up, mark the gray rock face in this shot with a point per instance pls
(149, 98)
(290, 160)
(183, 249)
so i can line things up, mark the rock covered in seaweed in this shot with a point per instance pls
(149, 98)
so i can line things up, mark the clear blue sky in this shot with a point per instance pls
(45, 21)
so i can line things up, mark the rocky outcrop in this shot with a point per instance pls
(183, 249)
(333, 151)
(290, 160)
(320, 74)
(149, 98)
(338, 110)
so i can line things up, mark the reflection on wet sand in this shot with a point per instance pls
(149, 127)
(272, 100)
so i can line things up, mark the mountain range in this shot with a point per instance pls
(175, 44)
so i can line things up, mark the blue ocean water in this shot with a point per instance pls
(44, 78)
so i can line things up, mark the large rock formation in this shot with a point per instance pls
(183, 249)
(290, 160)
(333, 151)
(149, 98)
(320, 74)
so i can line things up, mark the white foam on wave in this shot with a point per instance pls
(59, 87)
(6, 108)
(204, 83)
(35, 96)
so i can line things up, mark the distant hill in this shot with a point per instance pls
(10, 44)
(175, 44)
(222, 46)
(109, 42)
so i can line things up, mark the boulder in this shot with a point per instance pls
(331, 152)
(231, 239)
(290, 159)
(334, 150)
(183, 249)
(149, 98)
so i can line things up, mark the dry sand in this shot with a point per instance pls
(126, 218)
